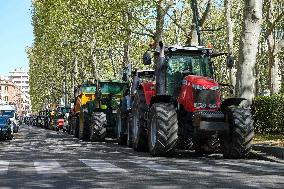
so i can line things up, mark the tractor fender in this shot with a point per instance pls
(231, 101)
(160, 98)
(149, 90)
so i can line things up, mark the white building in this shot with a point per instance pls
(21, 78)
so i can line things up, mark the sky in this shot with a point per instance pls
(16, 33)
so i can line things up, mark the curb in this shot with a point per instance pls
(269, 153)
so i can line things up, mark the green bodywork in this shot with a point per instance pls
(108, 101)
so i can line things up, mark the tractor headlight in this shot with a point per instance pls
(198, 87)
(214, 88)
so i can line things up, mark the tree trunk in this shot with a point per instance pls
(245, 81)
(230, 40)
(197, 23)
(94, 58)
(274, 47)
(128, 19)
(160, 20)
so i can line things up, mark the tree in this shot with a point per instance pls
(273, 17)
(245, 81)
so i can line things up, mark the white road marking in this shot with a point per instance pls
(4, 165)
(48, 167)
(102, 166)
(154, 166)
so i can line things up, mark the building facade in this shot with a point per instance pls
(21, 79)
(10, 93)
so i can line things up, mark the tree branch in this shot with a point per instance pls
(205, 14)
(272, 25)
(280, 45)
(143, 34)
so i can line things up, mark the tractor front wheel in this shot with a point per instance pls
(237, 143)
(98, 127)
(163, 129)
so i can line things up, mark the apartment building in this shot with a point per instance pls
(21, 79)
(10, 93)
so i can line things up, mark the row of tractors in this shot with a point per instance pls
(177, 106)
(53, 118)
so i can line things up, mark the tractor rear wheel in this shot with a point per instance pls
(237, 143)
(98, 127)
(138, 122)
(163, 129)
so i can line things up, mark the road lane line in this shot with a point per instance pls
(154, 166)
(102, 166)
(4, 165)
(48, 167)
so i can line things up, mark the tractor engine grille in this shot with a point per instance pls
(205, 98)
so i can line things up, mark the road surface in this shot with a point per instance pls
(38, 158)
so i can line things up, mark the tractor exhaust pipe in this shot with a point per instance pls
(161, 71)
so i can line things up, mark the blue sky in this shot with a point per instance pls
(16, 33)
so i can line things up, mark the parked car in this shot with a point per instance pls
(5, 128)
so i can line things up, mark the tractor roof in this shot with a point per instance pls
(179, 48)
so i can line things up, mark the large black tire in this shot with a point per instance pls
(163, 129)
(237, 143)
(121, 123)
(139, 124)
(84, 129)
(98, 127)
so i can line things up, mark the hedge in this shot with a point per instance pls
(268, 113)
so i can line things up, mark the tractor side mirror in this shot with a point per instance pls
(230, 61)
(147, 58)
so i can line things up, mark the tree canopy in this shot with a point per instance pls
(75, 40)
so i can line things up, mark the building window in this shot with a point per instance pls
(6, 88)
(6, 98)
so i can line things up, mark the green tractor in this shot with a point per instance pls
(99, 116)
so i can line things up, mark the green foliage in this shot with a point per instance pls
(268, 114)
(65, 32)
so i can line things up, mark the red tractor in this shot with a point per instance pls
(182, 109)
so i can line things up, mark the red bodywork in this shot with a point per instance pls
(60, 123)
(149, 89)
(186, 97)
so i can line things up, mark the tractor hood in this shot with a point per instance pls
(199, 93)
(201, 82)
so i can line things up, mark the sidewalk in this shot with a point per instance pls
(269, 151)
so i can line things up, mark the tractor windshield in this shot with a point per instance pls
(89, 88)
(189, 64)
(113, 88)
(181, 65)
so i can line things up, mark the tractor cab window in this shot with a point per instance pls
(189, 64)
(181, 65)
(113, 88)
(89, 88)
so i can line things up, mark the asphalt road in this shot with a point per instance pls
(38, 158)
